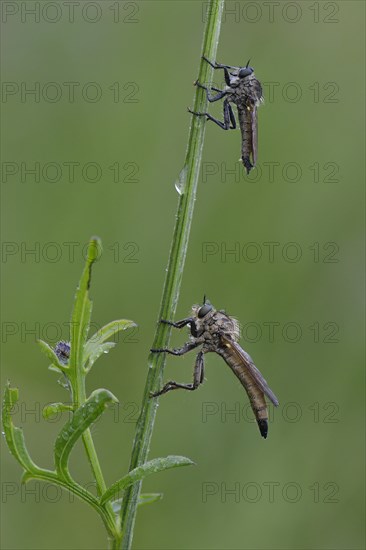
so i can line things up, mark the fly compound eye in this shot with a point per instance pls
(202, 312)
(246, 71)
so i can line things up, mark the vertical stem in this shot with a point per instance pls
(189, 180)
(80, 398)
(80, 321)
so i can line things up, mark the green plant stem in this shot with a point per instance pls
(91, 452)
(114, 543)
(156, 362)
(79, 395)
(73, 487)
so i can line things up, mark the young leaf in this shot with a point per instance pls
(149, 498)
(14, 436)
(54, 408)
(139, 473)
(54, 369)
(145, 498)
(80, 319)
(82, 419)
(47, 350)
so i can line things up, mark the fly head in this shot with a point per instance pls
(205, 308)
(202, 315)
(245, 71)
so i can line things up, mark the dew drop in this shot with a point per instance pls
(180, 183)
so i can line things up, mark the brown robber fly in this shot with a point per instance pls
(243, 89)
(215, 331)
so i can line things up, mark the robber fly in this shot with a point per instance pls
(243, 89)
(216, 331)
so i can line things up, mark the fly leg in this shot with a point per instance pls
(178, 324)
(180, 351)
(231, 115)
(183, 323)
(198, 377)
(229, 118)
(211, 99)
(215, 65)
(216, 89)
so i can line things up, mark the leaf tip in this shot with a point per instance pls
(11, 395)
(94, 249)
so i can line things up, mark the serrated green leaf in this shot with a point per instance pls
(92, 347)
(82, 419)
(14, 436)
(50, 353)
(96, 353)
(152, 466)
(108, 331)
(80, 319)
(54, 408)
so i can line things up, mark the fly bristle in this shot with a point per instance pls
(263, 428)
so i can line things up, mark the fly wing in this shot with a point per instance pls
(256, 91)
(256, 97)
(254, 135)
(246, 360)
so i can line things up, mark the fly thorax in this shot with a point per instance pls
(250, 78)
(208, 336)
(227, 325)
(202, 323)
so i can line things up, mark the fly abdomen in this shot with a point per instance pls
(263, 427)
(261, 416)
(245, 121)
(255, 394)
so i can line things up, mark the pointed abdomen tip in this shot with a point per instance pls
(263, 428)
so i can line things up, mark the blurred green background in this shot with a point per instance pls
(302, 488)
